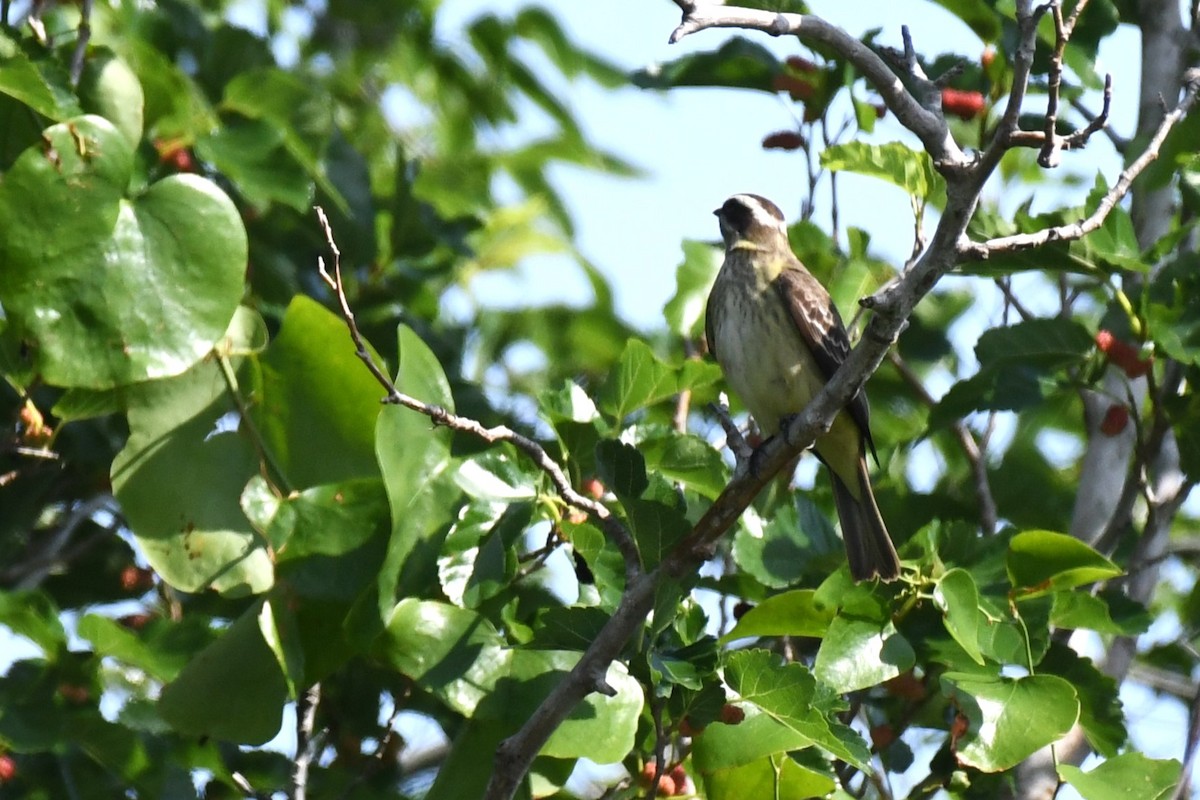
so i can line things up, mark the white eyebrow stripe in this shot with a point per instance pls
(761, 214)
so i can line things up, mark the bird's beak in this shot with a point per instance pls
(717, 212)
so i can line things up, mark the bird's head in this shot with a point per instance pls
(753, 221)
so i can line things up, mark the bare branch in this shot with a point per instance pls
(84, 36)
(927, 123)
(306, 715)
(1100, 121)
(612, 526)
(1077, 230)
(737, 443)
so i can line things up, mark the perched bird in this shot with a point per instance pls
(778, 338)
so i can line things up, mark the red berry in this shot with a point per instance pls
(988, 57)
(666, 784)
(962, 104)
(687, 729)
(801, 64)
(797, 88)
(1122, 354)
(136, 579)
(783, 140)
(74, 693)
(906, 686)
(1115, 419)
(882, 736)
(880, 110)
(731, 714)
(680, 777)
(593, 487)
(135, 622)
(960, 726)
(8, 768)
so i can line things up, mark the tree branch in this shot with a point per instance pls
(306, 715)
(1077, 230)
(923, 119)
(615, 530)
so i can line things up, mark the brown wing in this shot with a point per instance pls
(821, 328)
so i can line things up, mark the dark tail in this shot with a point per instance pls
(868, 545)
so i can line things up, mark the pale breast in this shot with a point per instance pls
(765, 361)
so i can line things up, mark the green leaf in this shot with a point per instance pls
(1041, 561)
(859, 653)
(1049, 343)
(329, 520)
(958, 598)
(251, 154)
(190, 523)
(319, 404)
(1130, 774)
(233, 690)
(687, 459)
(694, 277)
(759, 735)
(162, 648)
(414, 457)
(496, 562)
(982, 18)
(109, 290)
(300, 110)
(454, 654)
(1009, 719)
(42, 84)
(798, 540)
(894, 162)
(657, 527)
(34, 615)
(279, 629)
(1076, 610)
(108, 87)
(622, 468)
(739, 63)
(601, 727)
(640, 379)
(1100, 712)
(780, 777)
(787, 692)
(1172, 312)
(601, 557)
(794, 613)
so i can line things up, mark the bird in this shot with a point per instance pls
(779, 338)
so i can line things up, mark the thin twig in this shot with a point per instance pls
(306, 716)
(613, 527)
(83, 36)
(738, 445)
(929, 125)
(1011, 300)
(1077, 230)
